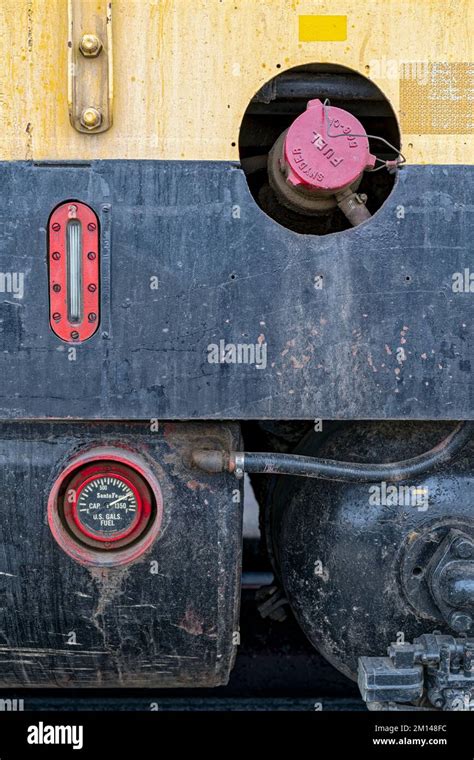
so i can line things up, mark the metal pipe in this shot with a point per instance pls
(353, 206)
(329, 469)
(256, 579)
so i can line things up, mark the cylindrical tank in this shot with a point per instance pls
(361, 564)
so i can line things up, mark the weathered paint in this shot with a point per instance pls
(388, 335)
(184, 72)
(166, 619)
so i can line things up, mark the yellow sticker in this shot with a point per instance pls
(322, 28)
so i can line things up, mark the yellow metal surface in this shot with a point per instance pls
(185, 71)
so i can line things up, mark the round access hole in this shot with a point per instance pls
(279, 106)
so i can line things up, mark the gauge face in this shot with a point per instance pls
(107, 507)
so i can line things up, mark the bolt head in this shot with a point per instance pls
(91, 118)
(90, 45)
(464, 548)
(438, 701)
(461, 622)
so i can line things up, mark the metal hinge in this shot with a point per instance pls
(90, 72)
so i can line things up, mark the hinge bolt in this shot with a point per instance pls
(90, 45)
(461, 621)
(464, 548)
(91, 118)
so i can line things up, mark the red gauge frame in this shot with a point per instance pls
(74, 332)
(94, 472)
(91, 550)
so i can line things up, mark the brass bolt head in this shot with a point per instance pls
(90, 45)
(91, 118)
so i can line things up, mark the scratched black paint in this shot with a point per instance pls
(227, 271)
(168, 619)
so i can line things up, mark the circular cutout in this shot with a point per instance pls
(272, 120)
(106, 507)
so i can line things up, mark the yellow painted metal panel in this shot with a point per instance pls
(184, 71)
(322, 28)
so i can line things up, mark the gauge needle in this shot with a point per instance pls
(117, 500)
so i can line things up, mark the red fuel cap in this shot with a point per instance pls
(324, 151)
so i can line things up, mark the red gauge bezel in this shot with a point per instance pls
(91, 474)
(74, 332)
(81, 544)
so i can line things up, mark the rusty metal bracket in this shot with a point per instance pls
(90, 71)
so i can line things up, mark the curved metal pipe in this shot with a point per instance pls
(329, 469)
